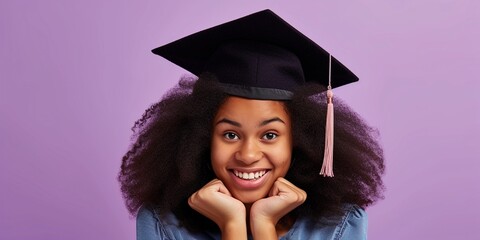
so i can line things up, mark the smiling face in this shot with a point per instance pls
(251, 146)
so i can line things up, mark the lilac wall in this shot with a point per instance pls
(75, 75)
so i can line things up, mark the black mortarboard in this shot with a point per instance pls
(258, 56)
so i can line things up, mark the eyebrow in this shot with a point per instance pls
(275, 119)
(231, 122)
(237, 124)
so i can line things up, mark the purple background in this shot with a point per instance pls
(75, 75)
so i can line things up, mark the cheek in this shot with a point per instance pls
(284, 166)
(214, 146)
(283, 159)
(218, 156)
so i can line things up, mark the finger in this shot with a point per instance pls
(286, 190)
(281, 185)
(277, 188)
(213, 182)
(218, 186)
(222, 189)
(292, 186)
(285, 181)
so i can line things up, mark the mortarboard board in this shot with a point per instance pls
(258, 56)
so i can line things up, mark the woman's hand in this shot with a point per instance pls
(266, 212)
(215, 202)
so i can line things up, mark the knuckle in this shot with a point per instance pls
(191, 200)
(200, 196)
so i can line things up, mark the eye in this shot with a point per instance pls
(230, 136)
(269, 136)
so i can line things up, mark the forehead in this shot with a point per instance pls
(248, 108)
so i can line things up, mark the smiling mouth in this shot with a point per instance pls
(250, 175)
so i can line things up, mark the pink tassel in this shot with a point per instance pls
(327, 166)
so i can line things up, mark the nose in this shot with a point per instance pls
(249, 152)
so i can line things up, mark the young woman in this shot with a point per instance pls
(236, 152)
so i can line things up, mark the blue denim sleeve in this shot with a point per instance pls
(150, 226)
(147, 225)
(354, 225)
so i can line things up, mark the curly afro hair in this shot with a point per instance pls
(170, 157)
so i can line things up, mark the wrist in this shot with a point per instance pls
(263, 229)
(234, 230)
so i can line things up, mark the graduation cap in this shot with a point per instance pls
(261, 56)
(258, 56)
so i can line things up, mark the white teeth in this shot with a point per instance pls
(249, 176)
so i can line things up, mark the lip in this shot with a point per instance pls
(249, 184)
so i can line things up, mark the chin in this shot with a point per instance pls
(249, 197)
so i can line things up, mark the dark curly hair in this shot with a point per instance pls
(170, 157)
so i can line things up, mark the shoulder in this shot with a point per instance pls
(153, 226)
(351, 225)
(148, 225)
(354, 224)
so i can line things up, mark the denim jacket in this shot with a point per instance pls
(352, 226)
